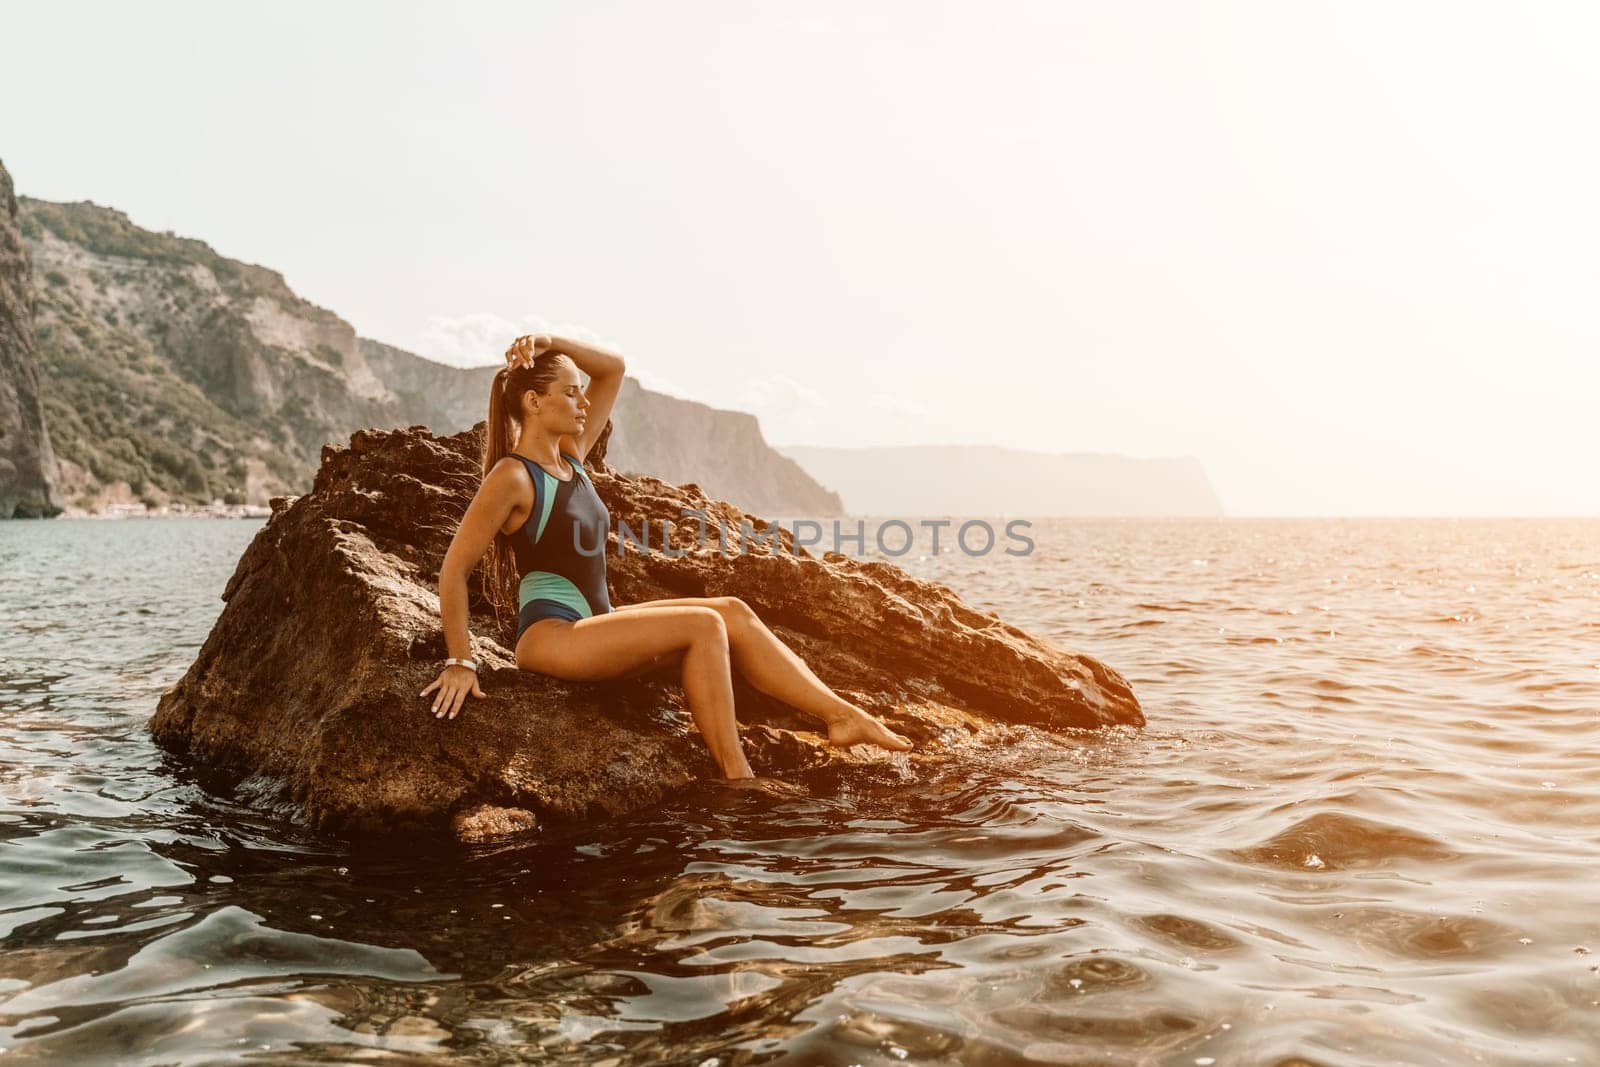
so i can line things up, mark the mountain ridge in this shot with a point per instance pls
(171, 374)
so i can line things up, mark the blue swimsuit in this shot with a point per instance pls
(558, 580)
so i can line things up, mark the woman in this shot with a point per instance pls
(534, 510)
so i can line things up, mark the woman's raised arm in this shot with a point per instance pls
(605, 370)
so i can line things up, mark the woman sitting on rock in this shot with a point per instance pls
(532, 511)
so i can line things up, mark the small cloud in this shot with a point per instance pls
(480, 339)
(793, 413)
(803, 24)
(780, 392)
(788, 410)
(657, 384)
(899, 406)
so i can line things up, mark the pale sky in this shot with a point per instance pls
(1345, 254)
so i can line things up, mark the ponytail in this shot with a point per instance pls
(498, 574)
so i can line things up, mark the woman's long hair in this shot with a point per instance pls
(499, 571)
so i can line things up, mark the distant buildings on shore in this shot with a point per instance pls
(214, 510)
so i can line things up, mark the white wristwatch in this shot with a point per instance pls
(467, 663)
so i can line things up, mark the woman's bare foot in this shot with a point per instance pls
(773, 786)
(856, 727)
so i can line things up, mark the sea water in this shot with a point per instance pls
(1361, 826)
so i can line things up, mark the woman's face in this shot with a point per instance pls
(562, 407)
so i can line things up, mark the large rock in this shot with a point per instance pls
(306, 691)
(29, 485)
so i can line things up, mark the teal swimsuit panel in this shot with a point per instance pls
(561, 549)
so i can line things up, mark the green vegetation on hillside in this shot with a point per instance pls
(114, 407)
(106, 231)
(157, 373)
(110, 233)
(129, 396)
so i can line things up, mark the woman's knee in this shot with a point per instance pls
(736, 614)
(706, 625)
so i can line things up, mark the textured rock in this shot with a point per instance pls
(310, 677)
(28, 473)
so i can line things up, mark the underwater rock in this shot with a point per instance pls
(310, 677)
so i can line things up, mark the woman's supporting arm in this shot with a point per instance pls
(453, 608)
(488, 511)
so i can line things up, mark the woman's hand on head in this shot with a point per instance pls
(528, 347)
(454, 685)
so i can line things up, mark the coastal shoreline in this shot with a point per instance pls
(141, 511)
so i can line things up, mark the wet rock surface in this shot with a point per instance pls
(305, 694)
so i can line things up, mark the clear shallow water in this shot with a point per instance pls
(1363, 826)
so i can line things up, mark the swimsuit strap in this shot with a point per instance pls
(576, 466)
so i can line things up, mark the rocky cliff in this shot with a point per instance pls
(984, 480)
(670, 438)
(28, 473)
(174, 374)
(305, 695)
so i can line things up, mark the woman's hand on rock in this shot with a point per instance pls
(454, 684)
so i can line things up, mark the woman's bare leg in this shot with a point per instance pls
(608, 646)
(773, 668)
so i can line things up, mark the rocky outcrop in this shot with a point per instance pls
(28, 474)
(306, 691)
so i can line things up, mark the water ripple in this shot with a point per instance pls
(1360, 828)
